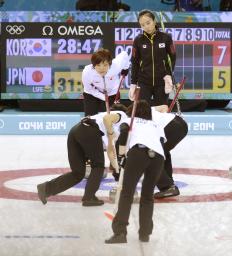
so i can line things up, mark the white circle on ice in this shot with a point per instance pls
(230, 124)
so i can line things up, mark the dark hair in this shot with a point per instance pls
(143, 110)
(100, 56)
(146, 12)
(119, 107)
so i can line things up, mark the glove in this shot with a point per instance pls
(131, 93)
(115, 175)
(121, 161)
(168, 87)
(124, 72)
(121, 164)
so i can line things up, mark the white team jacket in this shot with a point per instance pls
(116, 127)
(162, 119)
(93, 82)
(147, 133)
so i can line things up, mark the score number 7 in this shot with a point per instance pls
(223, 49)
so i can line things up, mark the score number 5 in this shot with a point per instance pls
(221, 79)
(222, 68)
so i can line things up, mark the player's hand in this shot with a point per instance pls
(124, 72)
(112, 155)
(116, 175)
(168, 87)
(162, 108)
(131, 93)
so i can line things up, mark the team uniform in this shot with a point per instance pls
(175, 129)
(142, 143)
(95, 85)
(150, 65)
(85, 141)
(116, 127)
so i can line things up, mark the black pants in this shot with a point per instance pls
(138, 163)
(154, 95)
(175, 131)
(93, 105)
(84, 142)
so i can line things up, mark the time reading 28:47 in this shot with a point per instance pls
(79, 46)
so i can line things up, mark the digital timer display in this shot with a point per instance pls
(79, 46)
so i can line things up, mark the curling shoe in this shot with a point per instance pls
(92, 202)
(172, 191)
(117, 239)
(41, 188)
(144, 238)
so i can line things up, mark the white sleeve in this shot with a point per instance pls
(121, 61)
(87, 79)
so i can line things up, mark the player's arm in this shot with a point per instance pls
(121, 62)
(109, 119)
(122, 139)
(88, 84)
(171, 51)
(169, 64)
(135, 61)
(86, 78)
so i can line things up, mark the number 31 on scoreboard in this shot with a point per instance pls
(67, 82)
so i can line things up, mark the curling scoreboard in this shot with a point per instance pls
(203, 54)
(47, 58)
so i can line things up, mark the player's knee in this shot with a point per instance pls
(79, 174)
(98, 164)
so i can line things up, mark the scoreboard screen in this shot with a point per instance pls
(45, 60)
(203, 55)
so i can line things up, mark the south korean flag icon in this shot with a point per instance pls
(37, 47)
(162, 45)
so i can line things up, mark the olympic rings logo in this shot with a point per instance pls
(15, 30)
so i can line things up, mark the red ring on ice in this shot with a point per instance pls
(9, 193)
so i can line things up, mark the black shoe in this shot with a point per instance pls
(144, 238)
(42, 192)
(116, 239)
(172, 191)
(92, 202)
